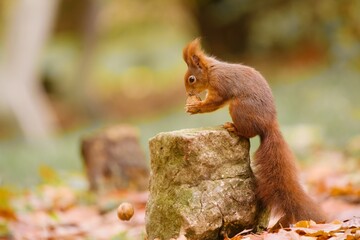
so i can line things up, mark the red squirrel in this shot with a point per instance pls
(252, 109)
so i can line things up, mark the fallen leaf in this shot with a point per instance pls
(353, 222)
(303, 224)
(6, 210)
(48, 175)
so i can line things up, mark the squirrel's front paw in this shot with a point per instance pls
(193, 104)
(192, 108)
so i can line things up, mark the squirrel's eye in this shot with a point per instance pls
(192, 79)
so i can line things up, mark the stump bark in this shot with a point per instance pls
(201, 185)
(114, 160)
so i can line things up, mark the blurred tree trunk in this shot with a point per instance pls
(28, 27)
(89, 35)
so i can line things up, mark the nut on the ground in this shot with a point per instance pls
(125, 211)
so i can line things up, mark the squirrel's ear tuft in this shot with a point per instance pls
(196, 60)
(193, 54)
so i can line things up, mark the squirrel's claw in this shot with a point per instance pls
(230, 127)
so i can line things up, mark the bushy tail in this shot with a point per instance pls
(278, 184)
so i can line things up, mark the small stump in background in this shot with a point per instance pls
(202, 186)
(114, 160)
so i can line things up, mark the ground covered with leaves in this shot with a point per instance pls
(308, 230)
(61, 207)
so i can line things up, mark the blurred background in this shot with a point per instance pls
(68, 68)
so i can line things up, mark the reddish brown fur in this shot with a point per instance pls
(252, 110)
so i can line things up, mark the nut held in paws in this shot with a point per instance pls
(125, 211)
(193, 98)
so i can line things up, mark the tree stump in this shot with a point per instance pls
(113, 159)
(201, 186)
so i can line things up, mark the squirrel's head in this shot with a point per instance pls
(196, 80)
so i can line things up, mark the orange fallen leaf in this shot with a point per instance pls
(8, 214)
(303, 224)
